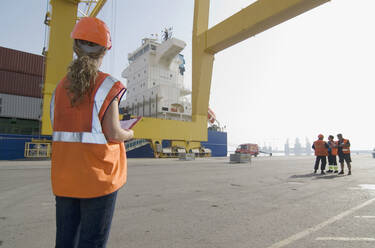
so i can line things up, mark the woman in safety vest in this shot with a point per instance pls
(88, 158)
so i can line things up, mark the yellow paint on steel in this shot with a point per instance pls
(99, 5)
(60, 52)
(254, 19)
(37, 149)
(201, 65)
(159, 129)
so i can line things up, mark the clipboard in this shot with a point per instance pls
(129, 124)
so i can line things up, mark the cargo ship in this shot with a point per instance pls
(155, 82)
(156, 88)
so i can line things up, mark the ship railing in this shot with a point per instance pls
(135, 143)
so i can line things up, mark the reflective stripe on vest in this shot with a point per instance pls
(96, 135)
(345, 150)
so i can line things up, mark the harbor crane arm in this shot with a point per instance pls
(99, 5)
(254, 19)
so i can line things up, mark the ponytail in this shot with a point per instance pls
(83, 70)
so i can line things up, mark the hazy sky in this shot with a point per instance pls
(312, 74)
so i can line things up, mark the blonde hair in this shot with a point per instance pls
(83, 70)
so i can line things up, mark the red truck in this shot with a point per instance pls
(252, 149)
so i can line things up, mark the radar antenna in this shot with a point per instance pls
(167, 33)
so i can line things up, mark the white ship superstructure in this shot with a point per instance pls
(155, 81)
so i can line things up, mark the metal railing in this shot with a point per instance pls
(136, 143)
(37, 150)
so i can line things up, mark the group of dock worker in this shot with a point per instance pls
(331, 149)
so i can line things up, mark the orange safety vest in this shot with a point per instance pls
(84, 164)
(334, 150)
(345, 150)
(320, 148)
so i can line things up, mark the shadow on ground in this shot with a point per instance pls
(316, 176)
(303, 175)
(326, 177)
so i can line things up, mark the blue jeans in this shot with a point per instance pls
(82, 223)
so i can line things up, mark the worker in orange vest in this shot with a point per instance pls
(88, 164)
(344, 154)
(332, 153)
(321, 153)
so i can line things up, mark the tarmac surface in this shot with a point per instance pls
(272, 202)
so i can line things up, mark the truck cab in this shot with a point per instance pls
(252, 149)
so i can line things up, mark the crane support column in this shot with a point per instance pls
(202, 62)
(60, 52)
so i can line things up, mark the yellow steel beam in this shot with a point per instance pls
(159, 129)
(202, 63)
(254, 19)
(99, 5)
(60, 52)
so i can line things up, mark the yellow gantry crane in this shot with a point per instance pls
(252, 20)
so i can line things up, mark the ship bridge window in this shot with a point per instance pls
(139, 53)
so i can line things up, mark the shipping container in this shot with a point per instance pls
(22, 107)
(22, 62)
(21, 84)
(217, 142)
(19, 126)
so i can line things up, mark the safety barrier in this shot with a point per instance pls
(38, 150)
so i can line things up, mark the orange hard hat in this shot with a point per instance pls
(320, 136)
(94, 30)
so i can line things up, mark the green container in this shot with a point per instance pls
(19, 126)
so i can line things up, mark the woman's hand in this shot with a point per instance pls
(111, 125)
(130, 134)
